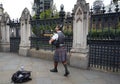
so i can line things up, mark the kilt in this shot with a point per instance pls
(60, 54)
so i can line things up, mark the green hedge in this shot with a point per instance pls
(105, 33)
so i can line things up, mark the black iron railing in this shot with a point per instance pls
(43, 28)
(43, 43)
(104, 41)
(14, 35)
(105, 55)
(14, 44)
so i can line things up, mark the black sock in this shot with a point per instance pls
(66, 69)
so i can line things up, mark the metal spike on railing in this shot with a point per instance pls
(13, 20)
(117, 9)
(91, 11)
(103, 9)
(17, 20)
(110, 10)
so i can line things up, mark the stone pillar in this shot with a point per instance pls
(1, 14)
(5, 36)
(79, 51)
(25, 32)
(1, 11)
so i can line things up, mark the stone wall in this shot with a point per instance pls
(43, 54)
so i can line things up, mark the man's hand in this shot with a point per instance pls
(50, 41)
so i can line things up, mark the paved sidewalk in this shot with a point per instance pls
(10, 63)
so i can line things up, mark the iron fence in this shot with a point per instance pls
(43, 29)
(14, 44)
(104, 41)
(43, 43)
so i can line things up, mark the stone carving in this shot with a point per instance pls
(81, 10)
(4, 29)
(82, 4)
(79, 14)
(25, 14)
(5, 17)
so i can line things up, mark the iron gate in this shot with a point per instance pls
(104, 41)
(14, 44)
(14, 35)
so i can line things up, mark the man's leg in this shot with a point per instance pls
(66, 69)
(55, 67)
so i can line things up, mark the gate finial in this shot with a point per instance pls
(79, 0)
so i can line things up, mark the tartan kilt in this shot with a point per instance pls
(60, 54)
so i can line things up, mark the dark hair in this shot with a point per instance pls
(59, 26)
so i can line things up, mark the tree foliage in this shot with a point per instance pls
(46, 14)
(50, 13)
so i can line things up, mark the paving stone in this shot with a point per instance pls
(43, 80)
(64, 81)
(10, 63)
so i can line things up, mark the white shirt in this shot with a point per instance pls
(55, 36)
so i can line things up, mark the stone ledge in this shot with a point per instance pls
(4, 47)
(47, 55)
(44, 54)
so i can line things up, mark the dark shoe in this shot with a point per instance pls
(67, 73)
(53, 70)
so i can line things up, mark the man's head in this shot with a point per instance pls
(58, 27)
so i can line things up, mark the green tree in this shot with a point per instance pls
(34, 17)
(54, 11)
(49, 13)
(46, 14)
